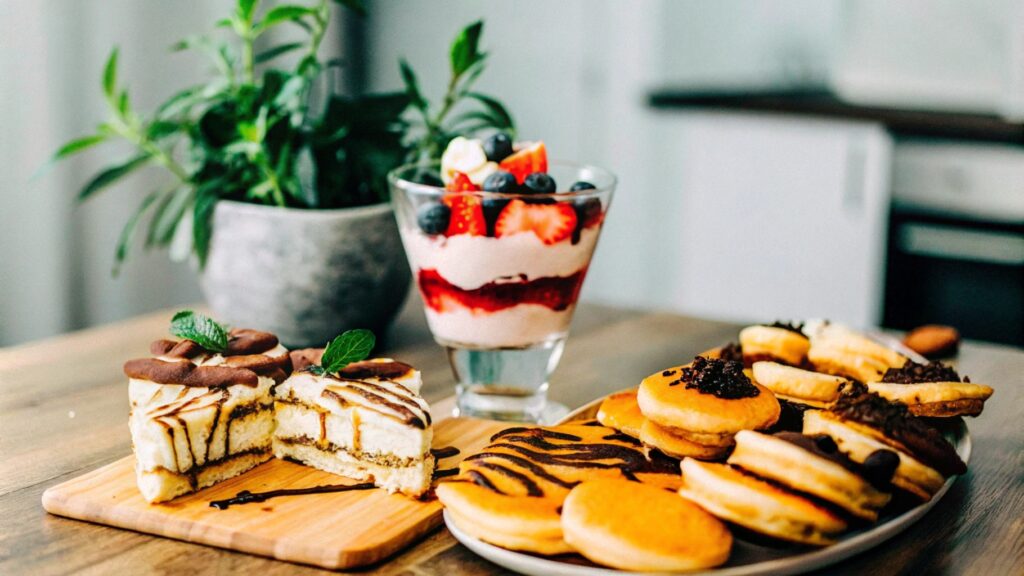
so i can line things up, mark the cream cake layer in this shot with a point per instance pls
(363, 422)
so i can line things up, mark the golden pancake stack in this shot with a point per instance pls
(658, 480)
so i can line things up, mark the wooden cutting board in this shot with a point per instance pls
(340, 530)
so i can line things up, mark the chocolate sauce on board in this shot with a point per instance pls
(247, 497)
(445, 452)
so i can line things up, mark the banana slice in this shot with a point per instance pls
(466, 156)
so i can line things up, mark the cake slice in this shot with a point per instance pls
(365, 421)
(200, 416)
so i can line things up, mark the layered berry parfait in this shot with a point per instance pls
(499, 242)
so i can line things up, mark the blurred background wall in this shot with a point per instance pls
(727, 210)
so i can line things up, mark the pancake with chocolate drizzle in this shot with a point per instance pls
(548, 462)
(893, 424)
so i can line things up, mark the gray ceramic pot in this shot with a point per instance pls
(305, 275)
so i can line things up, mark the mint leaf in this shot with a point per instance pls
(352, 346)
(200, 329)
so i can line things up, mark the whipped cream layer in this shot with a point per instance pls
(518, 326)
(472, 261)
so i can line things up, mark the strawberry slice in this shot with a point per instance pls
(460, 182)
(531, 159)
(552, 223)
(467, 215)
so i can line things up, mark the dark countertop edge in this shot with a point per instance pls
(822, 103)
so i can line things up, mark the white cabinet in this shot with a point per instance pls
(771, 217)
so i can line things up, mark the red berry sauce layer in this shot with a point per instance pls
(554, 292)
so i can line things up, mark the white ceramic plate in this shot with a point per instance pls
(746, 558)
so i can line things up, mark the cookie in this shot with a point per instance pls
(763, 507)
(933, 341)
(814, 465)
(708, 396)
(642, 528)
(778, 342)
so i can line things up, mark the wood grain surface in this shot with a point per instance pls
(341, 530)
(64, 411)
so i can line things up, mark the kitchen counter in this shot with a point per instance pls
(63, 411)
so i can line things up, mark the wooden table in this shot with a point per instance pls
(64, 411)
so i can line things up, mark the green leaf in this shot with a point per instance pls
(123, 105)
(495, 108)
(166, 217)
(112, 174)
(268, 55)
(282, 14)
(246, 8)
(352, 346)
(202, 217)
(110, 76)
(128, 232)
(78, 145)
(180, 102)
(412, 87)
(200, 329)
(356, 6)
(465, 50)
(160, 129)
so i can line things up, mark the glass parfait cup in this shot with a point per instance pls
(500, 297)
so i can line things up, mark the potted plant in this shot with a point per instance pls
(280, 192)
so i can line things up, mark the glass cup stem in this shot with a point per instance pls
(504, 383)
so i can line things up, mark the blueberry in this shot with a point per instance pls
(581, 185)
(539, 183)
(587, 210)
(492, 207)
(501, 181)
(433, 218)
(498, 147)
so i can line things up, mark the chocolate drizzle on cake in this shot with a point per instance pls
(720, 378)
(915, 373)
(896, 423)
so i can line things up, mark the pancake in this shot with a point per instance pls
(516, 523)
(778, 342)
(621, 412)
(891, 424)
(509, 493)
(642, 528)
(933, 390)
(911, 474)
(708, 396)
(797, 384)
(757, 505)
(667, 442)
(814, 465)
(838, 350)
